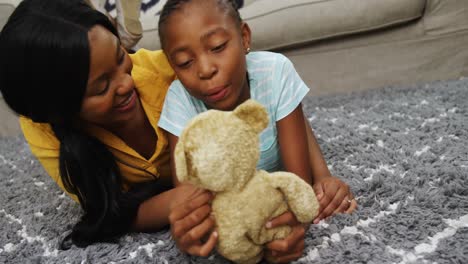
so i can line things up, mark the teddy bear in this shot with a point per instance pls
(219, 151)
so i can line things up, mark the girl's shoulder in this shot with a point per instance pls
(266, 56)
(259, 62)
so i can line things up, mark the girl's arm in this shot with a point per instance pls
(301, 155)
(316, 160)
(172, 144)
(294, 149)
(333, 194)
(299, 149)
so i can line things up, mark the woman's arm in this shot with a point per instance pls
(153, 214)
(45, 147)
(188, 211)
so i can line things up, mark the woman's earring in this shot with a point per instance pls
(248, 50)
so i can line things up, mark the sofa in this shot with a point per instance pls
(6, 8)
(350, 45)
(344, 45)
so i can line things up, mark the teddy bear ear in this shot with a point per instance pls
(180, 161)
(254, 114)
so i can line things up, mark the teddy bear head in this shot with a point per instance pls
(219, 150)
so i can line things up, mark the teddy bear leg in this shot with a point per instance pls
(266, 235)
(280, 232)
(253, 260)
(239, 249)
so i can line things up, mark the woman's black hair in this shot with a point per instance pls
(229, 6)
(44, 68)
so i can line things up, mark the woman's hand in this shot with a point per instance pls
(191, 221)
(334, 197)
(291, 247)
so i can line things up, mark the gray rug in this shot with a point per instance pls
(404, 151)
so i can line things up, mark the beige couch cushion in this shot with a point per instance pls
(278, 24)
(446, 16)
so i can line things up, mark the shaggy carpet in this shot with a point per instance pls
(404, 152)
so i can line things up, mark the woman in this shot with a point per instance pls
(89, 112)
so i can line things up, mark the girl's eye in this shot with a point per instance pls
(219, 47)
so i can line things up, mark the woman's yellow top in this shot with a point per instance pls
(152, 75)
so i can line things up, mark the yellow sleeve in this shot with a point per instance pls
(155, 61)
(45, 147)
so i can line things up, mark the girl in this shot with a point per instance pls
(208, 45)
(89, 112)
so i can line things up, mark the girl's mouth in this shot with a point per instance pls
(218, 95)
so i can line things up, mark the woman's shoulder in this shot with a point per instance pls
(147, 57)
(152, 76)
(154, 61)
(39, 135)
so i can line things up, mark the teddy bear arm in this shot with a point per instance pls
(300, 196)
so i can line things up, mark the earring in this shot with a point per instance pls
(248, 50)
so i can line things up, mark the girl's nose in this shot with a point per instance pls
(206, 68)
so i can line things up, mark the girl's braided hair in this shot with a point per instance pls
(229, 6)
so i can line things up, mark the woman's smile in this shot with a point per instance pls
(128, 104)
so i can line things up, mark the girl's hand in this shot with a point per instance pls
(291, 247)
(334, 197)
(191, 222)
